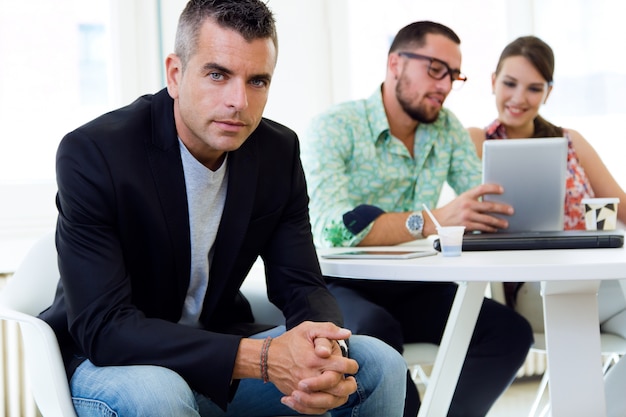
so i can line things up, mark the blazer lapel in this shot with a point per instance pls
(167, 170)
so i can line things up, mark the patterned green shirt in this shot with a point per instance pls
(350, 158)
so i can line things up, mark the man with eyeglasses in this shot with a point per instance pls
(370, 165)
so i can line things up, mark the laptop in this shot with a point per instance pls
(533, 173)
(561, 239)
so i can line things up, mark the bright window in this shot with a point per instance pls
(64, 62)
(54, 77)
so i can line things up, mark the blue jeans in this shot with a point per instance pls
(152, 391)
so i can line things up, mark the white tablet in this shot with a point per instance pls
(533, 173)
(380, 254)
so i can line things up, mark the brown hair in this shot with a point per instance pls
(540, 55)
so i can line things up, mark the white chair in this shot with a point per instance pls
(30, 290)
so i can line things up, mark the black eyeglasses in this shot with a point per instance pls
(438, 69)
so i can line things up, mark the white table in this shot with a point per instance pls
(570, 281)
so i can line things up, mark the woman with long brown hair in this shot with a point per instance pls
(521, 83)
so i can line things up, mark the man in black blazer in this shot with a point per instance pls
(164, 205)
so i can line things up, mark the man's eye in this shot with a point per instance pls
(438, 70)
(216, 76)
(259, 83)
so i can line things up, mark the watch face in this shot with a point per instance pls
(415, 222)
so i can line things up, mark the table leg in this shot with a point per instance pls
(453, 349)
(573, 348)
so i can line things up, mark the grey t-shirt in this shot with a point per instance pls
(206, 194)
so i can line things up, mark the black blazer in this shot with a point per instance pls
(124, 246)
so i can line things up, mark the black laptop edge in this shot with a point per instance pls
(569, 239)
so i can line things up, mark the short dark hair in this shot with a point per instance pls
(414, 34)
(252, 19)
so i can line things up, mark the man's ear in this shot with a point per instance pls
(173, 74)
(393, 65)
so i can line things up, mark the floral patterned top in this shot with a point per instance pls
(577, 184)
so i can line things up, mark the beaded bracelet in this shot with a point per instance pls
(264, 351)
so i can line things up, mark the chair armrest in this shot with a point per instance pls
(43, 362)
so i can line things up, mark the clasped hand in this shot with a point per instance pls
(305, 364)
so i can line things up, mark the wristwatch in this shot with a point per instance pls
(415, 224)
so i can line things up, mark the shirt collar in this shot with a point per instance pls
(376, 116)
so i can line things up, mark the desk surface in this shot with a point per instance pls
(528, 265)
